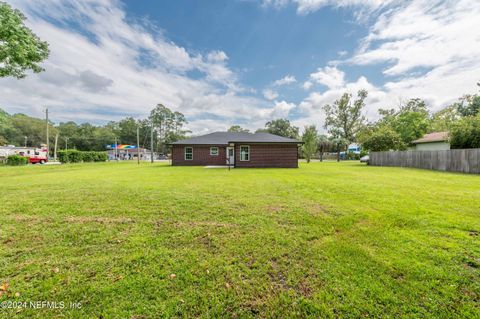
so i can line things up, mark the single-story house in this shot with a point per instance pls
(437, 141)
(237, 150)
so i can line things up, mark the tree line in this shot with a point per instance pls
(345, 123)
(22, 130)
(22, 51)
(396, 128)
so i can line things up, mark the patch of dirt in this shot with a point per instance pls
(101, 220)
(29, 218)
(277, 278)
(473, 233)
(255, 307)
(304, 288)
(207, 241)
(316, 209)
(274, 208)
(203, 223)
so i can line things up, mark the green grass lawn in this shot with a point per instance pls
(325, 240)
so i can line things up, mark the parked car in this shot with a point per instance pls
(364, 159)
(34, 155)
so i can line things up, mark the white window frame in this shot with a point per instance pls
(211, 148)
(243, 159)
(185, 153)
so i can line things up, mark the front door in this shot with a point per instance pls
(230, 156)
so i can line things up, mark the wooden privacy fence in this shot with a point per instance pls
(465, 161)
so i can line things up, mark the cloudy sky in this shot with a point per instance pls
(225, 62)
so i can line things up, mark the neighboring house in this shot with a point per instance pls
(237, 149)
(437, 141)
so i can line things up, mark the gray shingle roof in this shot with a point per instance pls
(432, 137)
(223, 138)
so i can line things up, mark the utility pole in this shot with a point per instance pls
(66, 143)
(55, 149)
(138, 145)
(151, 144)
(116, 148)
(26, 138)
(46, 121)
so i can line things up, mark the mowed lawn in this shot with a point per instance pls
(339, 240)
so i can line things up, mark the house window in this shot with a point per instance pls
(244, 153)
(214, 151)
(188, 153)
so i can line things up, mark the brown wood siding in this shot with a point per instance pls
(201, 155)
(269, 155)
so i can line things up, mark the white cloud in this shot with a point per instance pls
(280, 110)
(307, 85)
(311, 106)
(217, 56)
(309, 6)
(423, 34)
(270, 94)
(430, 49)
(105, 69)
(331, 77)
(288, 79)
(275, 3)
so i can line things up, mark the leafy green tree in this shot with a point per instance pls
(4, 124)
(20, 48)
(281, 127)
(169, 125)
(310, 142)
(383, 139)
(466, 133)
(237, 129)
(324, 145)
(411, 121)
(443, 120)
(34, 129)
(469, 105)
(4, 117)
(339, 143)
(344, 117)
(102, 136)
(127, 131)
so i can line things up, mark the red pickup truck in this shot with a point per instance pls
(35, 155)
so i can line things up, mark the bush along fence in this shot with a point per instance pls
(465, 161)
(74, 156)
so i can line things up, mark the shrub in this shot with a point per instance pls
(74, 156)
(383, 139)
(17, 160)
(63, 156)
(88, 156)
(466, 133)
(101, 157)
(70, 156)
